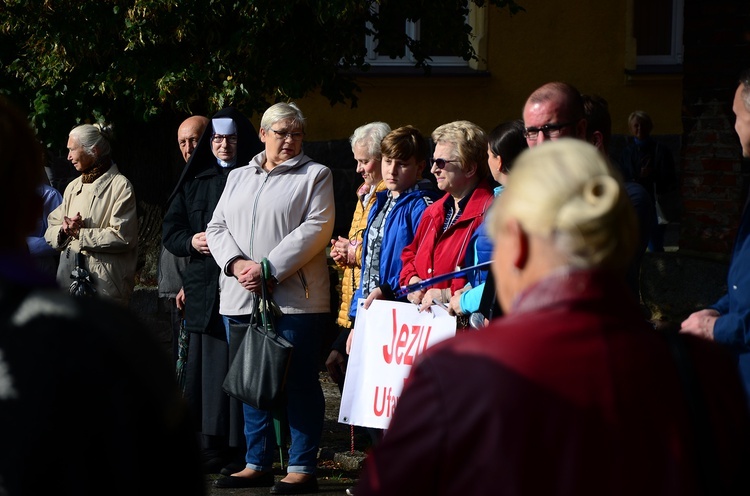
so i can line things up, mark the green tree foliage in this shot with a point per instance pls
(133, 60)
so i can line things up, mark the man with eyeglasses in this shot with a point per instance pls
(553, 111)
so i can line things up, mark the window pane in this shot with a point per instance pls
(434, 30)
(653, 26)
(440, 36)
(390, 39)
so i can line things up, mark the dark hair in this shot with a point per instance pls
(507, 142)
(598, 118)
(404, 143)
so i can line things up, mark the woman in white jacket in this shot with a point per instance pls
(279, 207)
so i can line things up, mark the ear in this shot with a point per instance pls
(519, 243)
(471, 169)
(598, 140)
(262, 135)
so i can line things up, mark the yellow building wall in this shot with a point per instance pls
(583, 42)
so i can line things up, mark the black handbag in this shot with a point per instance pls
(257, 374)
(82, 284)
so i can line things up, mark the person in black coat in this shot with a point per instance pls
(229, 141)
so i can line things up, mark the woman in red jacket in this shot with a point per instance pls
(459, 164)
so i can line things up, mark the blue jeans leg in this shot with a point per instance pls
(305, 401)
(305, 404)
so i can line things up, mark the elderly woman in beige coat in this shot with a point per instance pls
(97, 217)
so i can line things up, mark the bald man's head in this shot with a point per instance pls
(553, 111)
(189, 133)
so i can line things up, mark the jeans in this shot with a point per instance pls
(305, 404)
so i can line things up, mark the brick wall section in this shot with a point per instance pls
(714, 178)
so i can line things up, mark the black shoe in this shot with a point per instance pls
(350, 491)
(233, 467)
(309, 486)
(208, 454)
(213, 465)
(264, 480)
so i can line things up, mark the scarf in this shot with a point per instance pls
(93, 173)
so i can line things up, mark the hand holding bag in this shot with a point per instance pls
(257, 374)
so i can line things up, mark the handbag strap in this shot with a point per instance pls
(266, 316)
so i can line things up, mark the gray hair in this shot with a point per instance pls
(282, 111)
(94, 138)
(370, 135)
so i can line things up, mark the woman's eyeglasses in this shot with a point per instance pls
(231, 138)
(440, 162)
(283, 135)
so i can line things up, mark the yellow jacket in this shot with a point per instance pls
(350, 279)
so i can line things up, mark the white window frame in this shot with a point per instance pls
(676, 54)
(413, 31)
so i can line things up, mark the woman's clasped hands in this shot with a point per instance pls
(71, 226)
(248, 274)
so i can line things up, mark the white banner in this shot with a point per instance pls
(387, 339)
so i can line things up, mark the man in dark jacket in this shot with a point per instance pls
(728, 320)
(170, 266)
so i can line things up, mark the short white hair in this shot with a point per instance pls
(282, 111)
(370, 135)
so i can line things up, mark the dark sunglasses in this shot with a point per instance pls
(440, 163)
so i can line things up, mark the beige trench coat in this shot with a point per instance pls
(109, 238)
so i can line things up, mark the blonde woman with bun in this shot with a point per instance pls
(570, 392)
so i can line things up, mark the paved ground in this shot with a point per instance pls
(676, 283)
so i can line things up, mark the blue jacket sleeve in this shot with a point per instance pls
(471, 299)
(733, 327)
